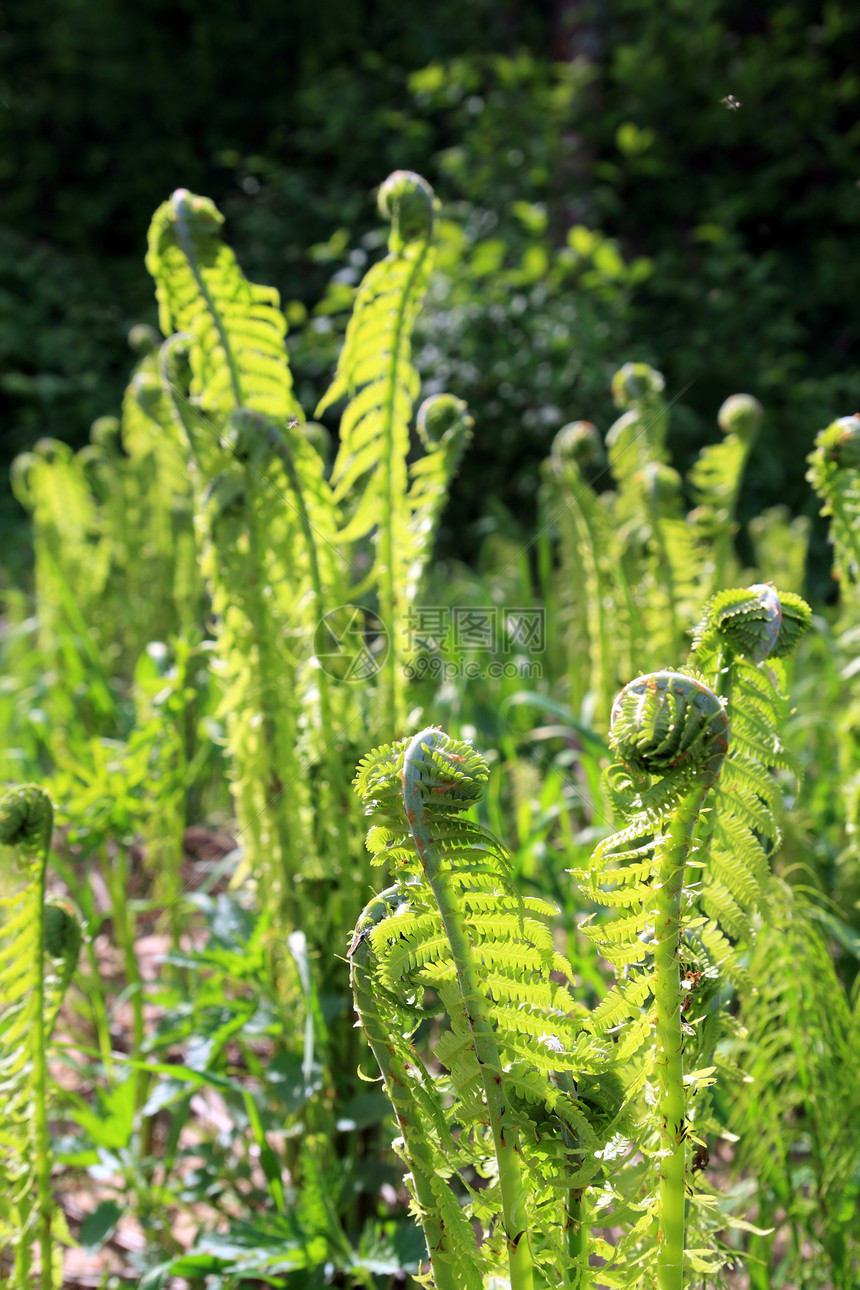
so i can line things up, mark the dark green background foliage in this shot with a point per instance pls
(716, 140)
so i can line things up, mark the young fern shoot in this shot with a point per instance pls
(670, 734)
(526, 1096)
(739, 645)
(31, 991)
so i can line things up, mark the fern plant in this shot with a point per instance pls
(834, 472)
(739, 645)
(742, 637)
(636, 565)
(281, 545)
(39, 952)
(516, 1091)
(115, 560)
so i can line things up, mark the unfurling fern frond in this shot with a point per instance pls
(375, 371)
(523, 1083)
(597, 606)
(739, 644)
(670, 734)
(715, 480)
(834, 472)
(444, 427)
(39, 945)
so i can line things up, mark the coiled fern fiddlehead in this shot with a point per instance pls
(670, 735)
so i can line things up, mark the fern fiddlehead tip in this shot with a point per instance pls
(443, 770)
(105, 433)
(579, 442)
(663, 484)
(147, 389)
(409, 202)
(430, 770)
(635, 384)
(839, 443)
(26, 818)
(667, 722)
(63, 933)
(143, 339)
(741, 415)
(443, 419)
(757, 622)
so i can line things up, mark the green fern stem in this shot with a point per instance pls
(26, 822)
(576, 1229)
(598, 629)
(671, 860)
(506, 1140)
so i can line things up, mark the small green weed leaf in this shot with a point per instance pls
(111, 1125)
(100, 1224)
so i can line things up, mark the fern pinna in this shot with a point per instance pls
(516, 1091)
(39, 945)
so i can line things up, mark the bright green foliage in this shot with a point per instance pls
(715, 481)
(834, 472)
(237, 329)
(116, 565)
(39, 946)
(514, 1087)
(797, 1116)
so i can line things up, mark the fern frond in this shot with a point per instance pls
(834, 472)
(238, 358)
(375, 372)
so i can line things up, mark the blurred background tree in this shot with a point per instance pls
(676, 183)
